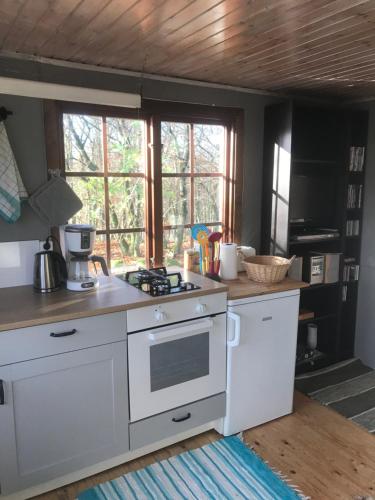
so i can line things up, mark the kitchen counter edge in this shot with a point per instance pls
(22, 306)
(242, 287)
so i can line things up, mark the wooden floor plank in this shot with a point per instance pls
(327, 456)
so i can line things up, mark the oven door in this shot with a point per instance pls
(175, 365)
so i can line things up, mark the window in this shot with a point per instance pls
(105, 164)
(192, 183)
(145, 177)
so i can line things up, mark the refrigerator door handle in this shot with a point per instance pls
(237, 329)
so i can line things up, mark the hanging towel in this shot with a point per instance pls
(12, 190)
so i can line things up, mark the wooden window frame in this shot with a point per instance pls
(192, 175)
(153, 113)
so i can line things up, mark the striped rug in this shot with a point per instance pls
(347, 387)
(225, 469)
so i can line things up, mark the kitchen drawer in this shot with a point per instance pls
(36, 342)
(158, 427)
(179, 310)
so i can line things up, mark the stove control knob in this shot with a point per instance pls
(160, 315)
(200, 308)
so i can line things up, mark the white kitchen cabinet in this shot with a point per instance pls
(262, 337)
(55, 338)
(61, 413)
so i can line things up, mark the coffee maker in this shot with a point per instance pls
(80, 239)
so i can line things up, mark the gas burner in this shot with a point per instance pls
(144, 275)
(157, 281)
(159, 287)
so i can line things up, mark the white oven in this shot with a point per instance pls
(176, 364)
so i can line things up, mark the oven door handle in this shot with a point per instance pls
(180, 331)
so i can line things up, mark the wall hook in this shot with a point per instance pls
(4, 113)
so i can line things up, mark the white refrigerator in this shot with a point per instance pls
(261, 356)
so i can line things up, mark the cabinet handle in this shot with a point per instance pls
(267, 318)
(2, 396)
(237, 329)
(63, 334)
(182, 419)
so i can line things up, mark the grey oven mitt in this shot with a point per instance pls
(55, 202)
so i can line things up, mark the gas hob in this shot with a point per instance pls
(157, 281)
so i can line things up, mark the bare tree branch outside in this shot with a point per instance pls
(105, 153)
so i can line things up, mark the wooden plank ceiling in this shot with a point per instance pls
(294, 46)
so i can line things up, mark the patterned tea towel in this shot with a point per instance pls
(12, 190)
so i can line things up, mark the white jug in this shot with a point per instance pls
(243, 253)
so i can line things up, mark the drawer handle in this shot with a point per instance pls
(267, 318)
(2, 396)
(182, 419)
(63, 334)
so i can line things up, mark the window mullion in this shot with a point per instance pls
(148, 155)
(226, 188)
(106, 190)
(157, 202)
(192, 170)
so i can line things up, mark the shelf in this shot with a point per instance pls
(319, 360)
(305, 314)
(317, 319)
(320, 285)
(307, 161)
(311, 242)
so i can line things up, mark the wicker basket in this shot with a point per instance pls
(267, 268)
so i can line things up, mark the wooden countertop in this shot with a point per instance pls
(22, 306)
(242, 287)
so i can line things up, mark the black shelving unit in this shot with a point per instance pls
(351, 245)
(306, 176)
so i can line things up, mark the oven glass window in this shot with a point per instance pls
(179, 361)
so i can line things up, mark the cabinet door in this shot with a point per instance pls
(261, 367)
(62, 413)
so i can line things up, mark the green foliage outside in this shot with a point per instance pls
(84, 153)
